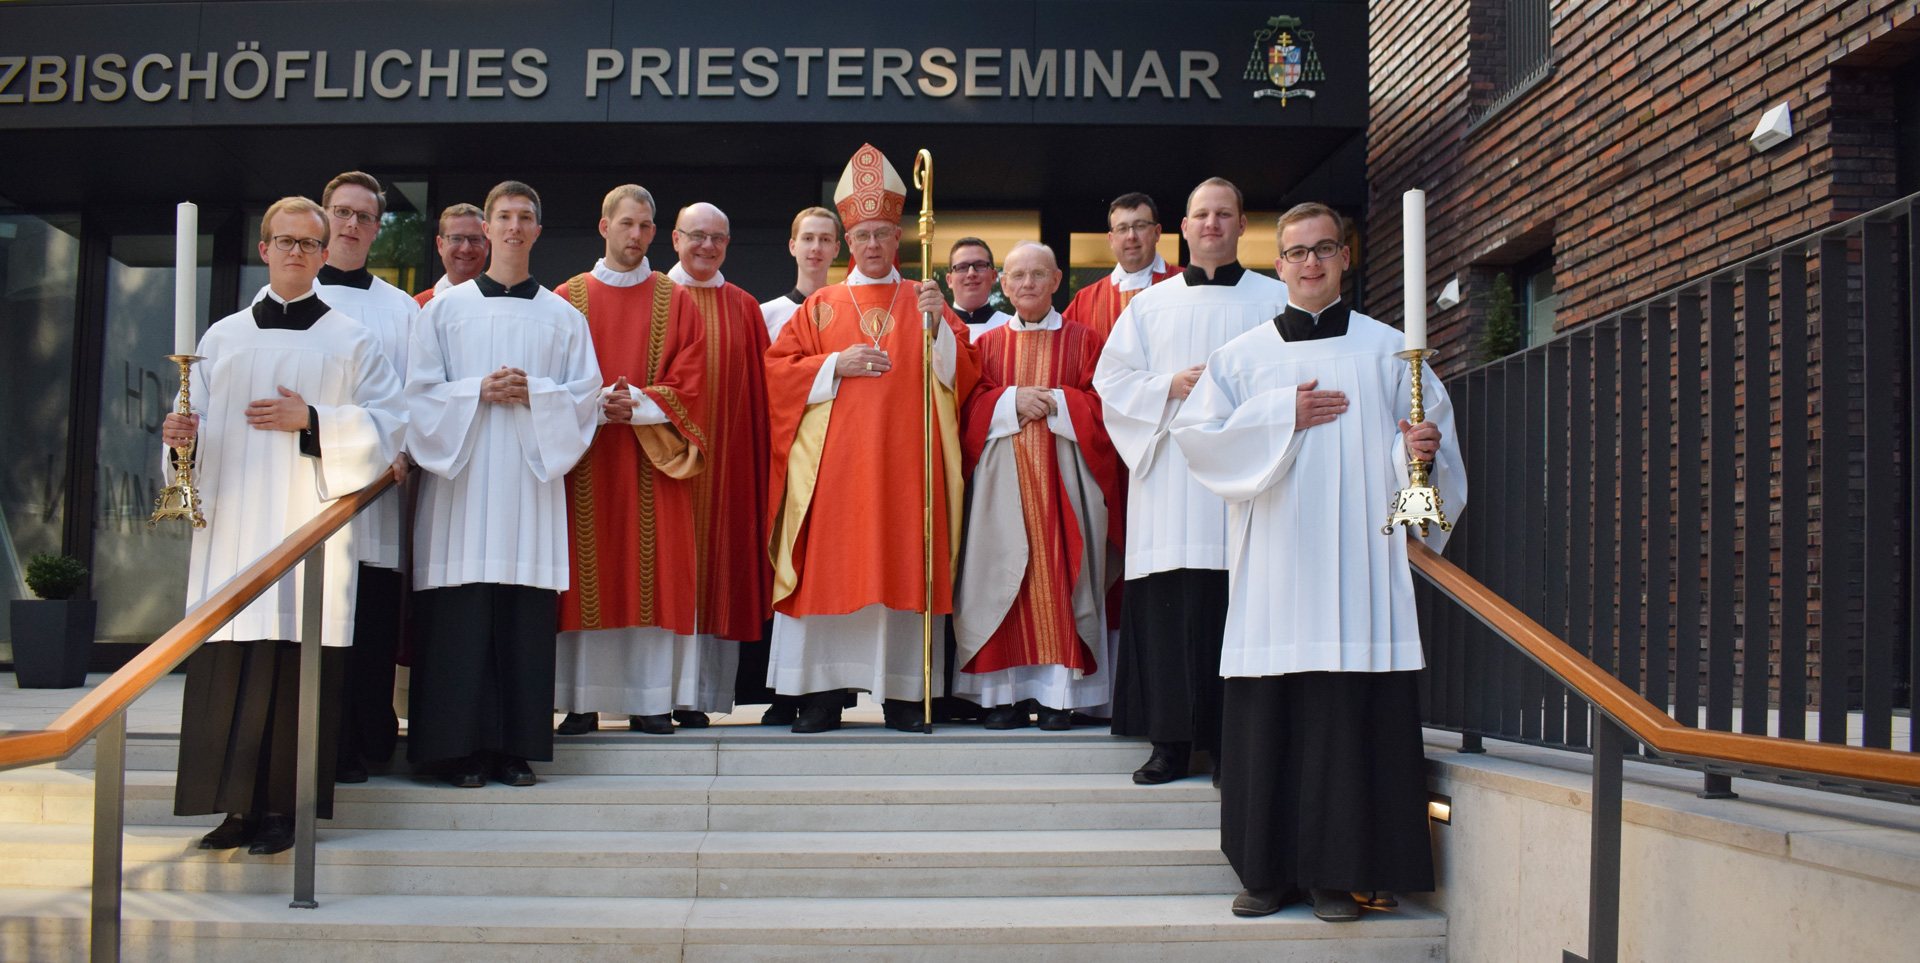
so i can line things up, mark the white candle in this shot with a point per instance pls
(186, 262)
(1413, 207)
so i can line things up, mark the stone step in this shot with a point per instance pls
(49, 926)
(682, 803)
(756, 751)
(657, 864)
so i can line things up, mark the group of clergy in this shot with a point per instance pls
(648, 494)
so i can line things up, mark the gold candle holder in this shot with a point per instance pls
(1419, 503)
(181, 499)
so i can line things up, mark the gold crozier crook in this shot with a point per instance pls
(923, 180)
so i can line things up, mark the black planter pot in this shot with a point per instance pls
(51, 641)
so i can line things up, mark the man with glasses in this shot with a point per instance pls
(295, 405)
(971, 275)
(814, 242)
(1031, 617)
(1301, 426)
(369, 729)
(1133, 234)
(630, 619)
(844, 383)
(1167, 679)
(463, 249)
(503, 395)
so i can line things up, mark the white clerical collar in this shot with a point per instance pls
(1051, 322)
(621, 279)
(275, 295)
(1135, 280)
(1313, 314)
(681, 277)
(855, 277)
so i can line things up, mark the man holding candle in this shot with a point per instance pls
(1301, 426)
(462, 245)
(1167, 683)
(295, 405)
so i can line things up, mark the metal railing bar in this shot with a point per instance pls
(1836, 553)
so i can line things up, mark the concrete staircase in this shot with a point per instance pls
(731, 843)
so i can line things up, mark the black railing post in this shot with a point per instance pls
(1880, 581)
(109, 818)
(1836, 540)
(1603, 858)
(307, 738)
(1793, 493)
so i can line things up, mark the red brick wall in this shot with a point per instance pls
(1630, 163)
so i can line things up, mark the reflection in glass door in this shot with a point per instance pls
(139, 574)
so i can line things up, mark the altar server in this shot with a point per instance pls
(1176, 557)
(295, 404)
(814, 241)
(504, 395)
(1301, 426)
(971, 275)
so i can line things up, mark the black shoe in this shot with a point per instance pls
(819, 712)
(1055, 720)
(1168, 762)
(349, 770)
(1082, 719)
(513, 771)
(1335, 906)
(903, 715)
(1263, 902)
(275, 836)
(578, 723)
(468, 773)
(1007, 717)
(689, 719)
(782, 712)
(235, 832)
(660, 725)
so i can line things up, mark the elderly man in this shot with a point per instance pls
(295, 405)
(1168, 683)
(1030, 619)
(736, 582)
(1301, 426)
(844, 382)
(971, 275)
(629, 624)
(814, 242)
(463, 249)
(504, 394)
(1133, 235)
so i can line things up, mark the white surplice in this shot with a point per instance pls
(1172, 521)
(257, 485)
(777, 312)
(493, 507)
(388, 312)
(1313, 583)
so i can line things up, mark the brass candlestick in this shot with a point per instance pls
(181, 499)
(1418, 503)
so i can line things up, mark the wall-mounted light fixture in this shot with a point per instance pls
(1776, 125)
(1440, 808)
(1449, 295)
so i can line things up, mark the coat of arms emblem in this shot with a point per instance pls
(1284, 55)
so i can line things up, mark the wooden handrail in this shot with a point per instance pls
(76, 725)
(1647, 722)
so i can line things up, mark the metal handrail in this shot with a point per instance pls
(102, 713)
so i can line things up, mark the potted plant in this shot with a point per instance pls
(52, 634)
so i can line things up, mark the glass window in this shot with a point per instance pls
(1537, 302)
(399, 253)
(139, 574)
(39, 276)
(1090, 257)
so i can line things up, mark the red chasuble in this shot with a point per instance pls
(427, 295)
(1099, 304)
(736, 580)
(630, 500)
(1040, 628)
(845, 495)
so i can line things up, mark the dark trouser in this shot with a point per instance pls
(1325, 784)
(750, 685)
(482, 672)
(239, 722)
(1167, 682)
(368, 727)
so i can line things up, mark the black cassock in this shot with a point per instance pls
(1167, 680)
(482, 672)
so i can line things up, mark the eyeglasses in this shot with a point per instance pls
(1137, 227)
(702, 237)
(465, 240)
(1017, 278)
(869, 237)
(1320, 251)
(971, 267)
(349, 214)
(307, 245)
